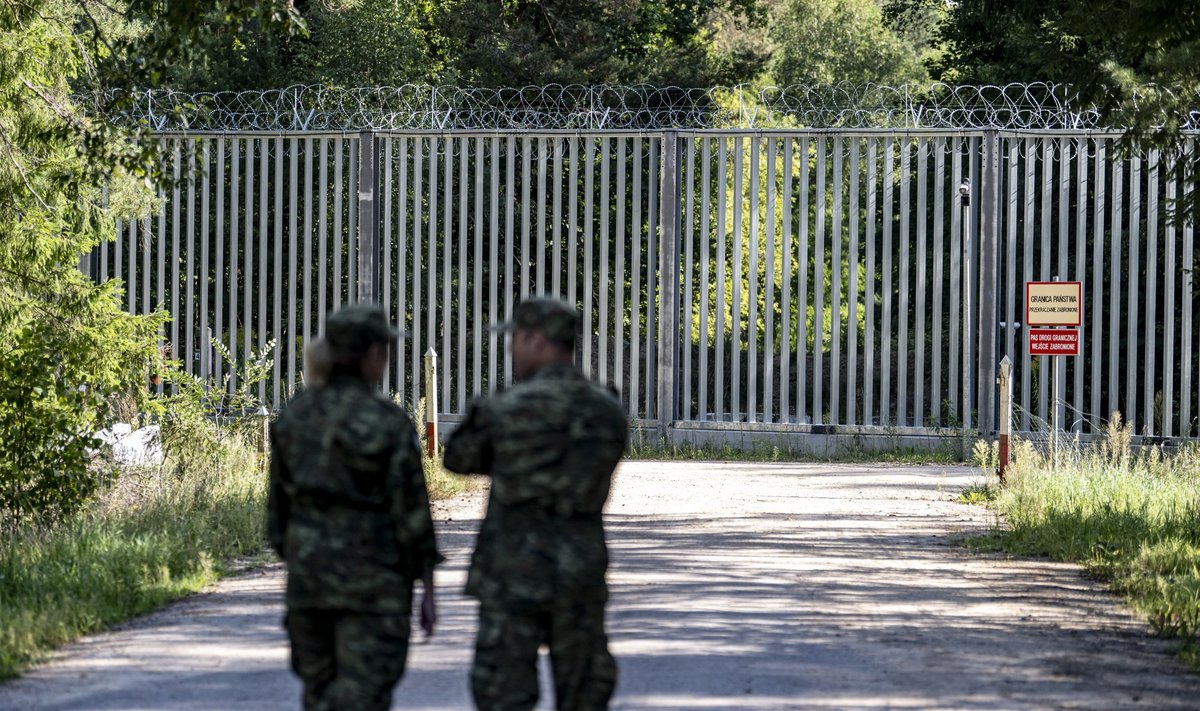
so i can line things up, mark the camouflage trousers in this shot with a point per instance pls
(347, 660)
(504, 675)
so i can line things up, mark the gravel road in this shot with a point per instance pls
(734, 586)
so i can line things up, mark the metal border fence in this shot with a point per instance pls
(795, 282)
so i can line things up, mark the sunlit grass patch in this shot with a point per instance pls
(1132, 517)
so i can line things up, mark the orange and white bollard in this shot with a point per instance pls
(431, 402)
(1005, 382)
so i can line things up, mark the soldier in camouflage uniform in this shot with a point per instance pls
(349, 514)
(550, 444)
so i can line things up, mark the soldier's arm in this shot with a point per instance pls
(278, 503)
(410, 507)
(469, 448)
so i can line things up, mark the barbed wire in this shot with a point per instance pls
(1033, 106)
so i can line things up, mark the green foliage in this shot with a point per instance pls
(369, 43)
(1138, 61)
(200, 422)
(67, 348)
(831, 41)
(1128, 516)
(156, 535)
(519, 42)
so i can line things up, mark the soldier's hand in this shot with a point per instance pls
(428, 611)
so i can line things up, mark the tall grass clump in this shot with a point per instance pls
(152, 534)
(1130, 515)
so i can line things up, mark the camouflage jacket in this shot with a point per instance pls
(347, 509)
(550, 444)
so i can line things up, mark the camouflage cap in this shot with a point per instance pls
(553, 318)
(354, 328)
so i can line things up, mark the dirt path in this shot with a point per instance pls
(735, 586)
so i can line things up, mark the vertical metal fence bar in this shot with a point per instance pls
(493, 262)
(131, 287)
(769, 303)
(868, 417)
(687, 412)
(1097, 335)
(526, 182)
(234, 272)
(160, 244)
(752, 364)
(818, 279)
(277, 330)
(116, 271)
(835, 291)
(663, 296)
(956, 282)
(1011, 316)
(786, 312)
(460, 354)
(556, 267)
(635, 289)
(1168, 269)
(264, 181)
(1064, 210)
(1045, 382)
(509, 238)
(1151, 321)
(921, 281)
(293, 243)
(388, 206)
(705, 261)
(572, 296)
(307, 269)
(204, 275)
(722, 230)
(189, 276)
(477, 282)
(451, 194)
(431, 254)
(414, 345)
(902, 369)
(1030, 150)
(589, 267)
(1080, 275)
(885, 332)
(1114, 284)
(1131, 342)
(738, 271)
(219, 277)
(619, 314)
(937, 353)
(653, 258)
(352, 232)
(176, 206)
(1187, 294)
(338, 183)
(606, 238)
(322, 234)
(852, 293)
(402, 303)
(541, 217)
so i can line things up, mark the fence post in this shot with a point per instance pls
(1005, 383)
(668, 295)
(368, 224)
(989, 271)
(431, 402)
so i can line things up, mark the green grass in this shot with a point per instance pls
(157, 535)
(1131, 518)
(650, 449)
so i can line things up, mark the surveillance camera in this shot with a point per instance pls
(964, 189)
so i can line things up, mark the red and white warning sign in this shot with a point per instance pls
(1054, 342)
